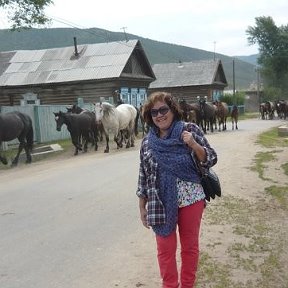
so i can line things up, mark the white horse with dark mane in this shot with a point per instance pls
(119, 121)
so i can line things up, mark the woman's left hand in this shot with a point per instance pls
(188, 139)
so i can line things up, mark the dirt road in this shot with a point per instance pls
(69, 223)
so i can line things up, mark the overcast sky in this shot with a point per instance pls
(212, 25)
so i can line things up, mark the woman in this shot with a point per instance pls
(169, 189)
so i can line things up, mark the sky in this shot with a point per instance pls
(213, 25)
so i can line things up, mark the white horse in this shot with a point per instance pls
(118, 121)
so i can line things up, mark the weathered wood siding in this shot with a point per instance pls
(67, 94)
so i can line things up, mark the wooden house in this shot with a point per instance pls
(63, 75)
(188, 80)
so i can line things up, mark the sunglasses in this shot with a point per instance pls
(162, 110)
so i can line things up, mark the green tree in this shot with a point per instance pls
(230, 99)
(25, 13)
(273, 51)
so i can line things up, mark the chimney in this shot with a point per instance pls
(76, 53)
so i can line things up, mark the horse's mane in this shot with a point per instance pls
(108, 109)
(107, 106)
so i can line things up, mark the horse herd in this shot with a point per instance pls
(120, 121)
(267, 109)
(208, 114)
(90, 126)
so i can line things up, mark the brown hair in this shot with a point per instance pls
(162, 97)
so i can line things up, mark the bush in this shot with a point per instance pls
(238, 99)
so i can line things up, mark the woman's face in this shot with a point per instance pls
(162, 116)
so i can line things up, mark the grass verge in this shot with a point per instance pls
(255, 253)
(11, 152)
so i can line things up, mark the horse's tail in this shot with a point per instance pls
(136, 121)
(30, 136)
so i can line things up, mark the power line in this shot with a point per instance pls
(76, 26)
(87, 30)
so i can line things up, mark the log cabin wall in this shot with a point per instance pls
(64, 93)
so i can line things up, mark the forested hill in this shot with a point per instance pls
(156, 51)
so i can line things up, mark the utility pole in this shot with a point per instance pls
(124, 30)
(214, 49)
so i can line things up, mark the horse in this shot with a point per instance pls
(270, 108)
(263, 111)
(222, 113)
(192, 116)
(145, 127)
(234, 116)
(117, 119)
(97, 128)
(17, 125)
(191, 111)
(139, 117)
(80, 127)
(207, 114)
(281, 107)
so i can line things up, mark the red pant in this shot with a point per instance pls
(189, 220)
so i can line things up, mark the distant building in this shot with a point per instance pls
(188, 80)
(91, 72)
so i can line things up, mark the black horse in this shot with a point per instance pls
(80, 127)
(281, 107)
(17, 125)
(97, 128)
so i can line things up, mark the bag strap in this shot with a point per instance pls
(200, 169)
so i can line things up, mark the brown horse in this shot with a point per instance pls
(191, 111)
(192, 116)
(145, 127)
(221, 114)
(234, 116)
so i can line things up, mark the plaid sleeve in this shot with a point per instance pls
(141, 188)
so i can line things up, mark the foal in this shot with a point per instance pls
(234, 116)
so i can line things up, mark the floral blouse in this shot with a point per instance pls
(189, 193)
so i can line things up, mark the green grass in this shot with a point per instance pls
(259, 160)
(285, 168)
(12, 151)
(257, 226)
(280, 193)
(270, 139)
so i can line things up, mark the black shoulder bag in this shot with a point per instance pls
(209, 181)
(211, 184)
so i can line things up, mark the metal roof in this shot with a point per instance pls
(194, 73)
(95, 61)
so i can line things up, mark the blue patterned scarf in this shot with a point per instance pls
(174, 161)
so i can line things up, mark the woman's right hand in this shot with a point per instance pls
(143, 215)
(143, 212)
